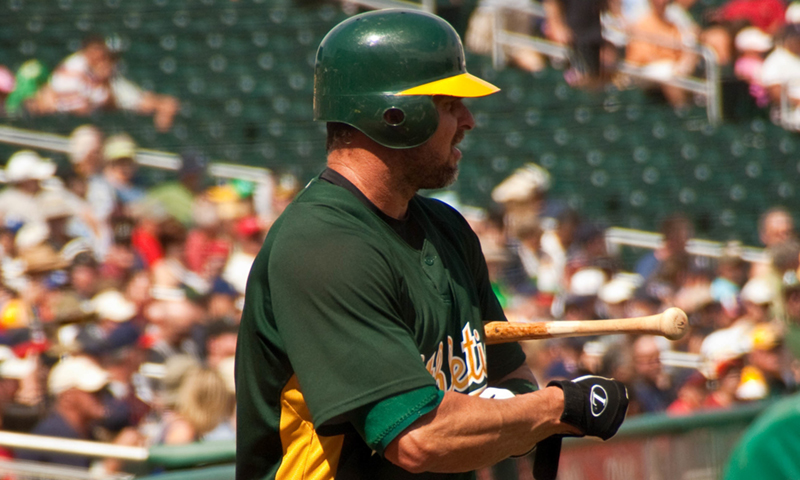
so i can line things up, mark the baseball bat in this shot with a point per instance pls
(671, 323)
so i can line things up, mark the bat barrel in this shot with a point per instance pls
(672, 324)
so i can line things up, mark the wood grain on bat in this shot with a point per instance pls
(672, 324)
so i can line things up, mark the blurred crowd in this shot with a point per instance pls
(743, 342)
(754, 43)
(120, 304)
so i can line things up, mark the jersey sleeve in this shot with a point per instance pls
(335, 304)
(381, 422)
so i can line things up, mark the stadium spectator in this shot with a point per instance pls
(119, 153)
(731, 275)
(14, 371)
(171, 320)
(556, 242)
(523, 195)
(577, 25)
(690, 396)
(86, 151)
(221, 336)
(651, 385)
(170, 271)
(202, 403)
(726, 376)
(768, 360)
(757, 296)
(776, 225)
(791, 292)
(666, 267)
(655, 45)
(84, 279)
(481, 26)
(30, 76)
(178, 198)
(781, 69)
(752, 45)
(88, 80)
(75, 384)
(24, 173)
(6, 87)
(249, 236)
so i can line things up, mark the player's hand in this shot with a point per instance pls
(595, 405)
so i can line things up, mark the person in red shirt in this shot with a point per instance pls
(691, 395)
(767, 15)
(728, 375)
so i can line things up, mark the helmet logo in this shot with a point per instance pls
(394, 116)
(598, 398)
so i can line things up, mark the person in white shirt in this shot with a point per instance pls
(88, 80)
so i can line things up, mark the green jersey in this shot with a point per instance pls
(341, 312)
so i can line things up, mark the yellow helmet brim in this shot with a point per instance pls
(464, 85)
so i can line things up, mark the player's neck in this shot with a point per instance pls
(374, 177)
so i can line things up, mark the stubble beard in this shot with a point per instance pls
(427, 170)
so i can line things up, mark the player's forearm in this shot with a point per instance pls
(466, 433)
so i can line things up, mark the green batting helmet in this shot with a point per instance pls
(379, 70)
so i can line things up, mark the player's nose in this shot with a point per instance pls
(465, 119)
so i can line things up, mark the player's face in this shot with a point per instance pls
(434, 164)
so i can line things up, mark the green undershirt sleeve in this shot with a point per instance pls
(381, 422)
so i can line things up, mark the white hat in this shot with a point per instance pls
(524, 182)
(721, 346)
(619, 289)
(753, 39)
(28, 165)
(112, 305)
(758, 291)
(76, 372)
(587, 282)
(793, 13)
(14, 367)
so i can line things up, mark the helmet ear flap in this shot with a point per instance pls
(392, 121)
(405, 122)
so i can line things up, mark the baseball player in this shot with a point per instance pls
(361, 351)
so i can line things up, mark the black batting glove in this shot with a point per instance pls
(595, 405)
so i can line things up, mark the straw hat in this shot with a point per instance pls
(42, 258)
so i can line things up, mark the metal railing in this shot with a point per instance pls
(695, 246)
(789, 120)
(708, 87)
(425, 5)
(262, 177)
(501, 37)
(18, 470)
